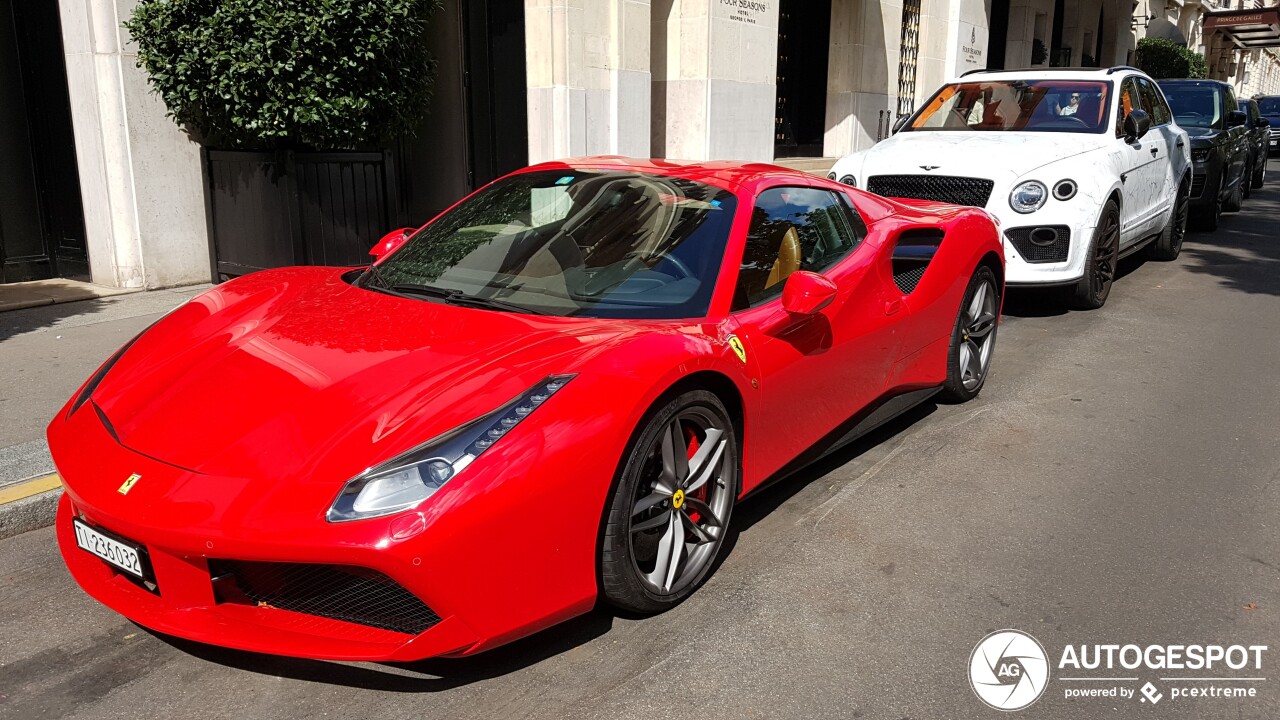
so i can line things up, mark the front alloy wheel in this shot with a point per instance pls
(670, 511)
(1100, 267)
(973, 338)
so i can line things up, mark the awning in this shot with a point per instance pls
(1246, 29)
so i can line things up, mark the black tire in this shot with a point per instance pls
(623, 581)
(974, 336)
(1260, 172)
(1235, 200)
(1246, 182)
(1169, 244)
(1100, 266)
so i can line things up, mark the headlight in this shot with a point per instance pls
(1028, 197)
(849, 180)
(409, 478)
(1199, 154)
(831, 176)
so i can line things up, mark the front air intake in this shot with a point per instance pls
(337, 592)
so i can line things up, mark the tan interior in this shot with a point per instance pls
(789, 255)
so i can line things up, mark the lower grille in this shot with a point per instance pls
(1197, 185)
(338, 592)
(1041, 244)
(939, 188)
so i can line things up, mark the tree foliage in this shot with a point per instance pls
(324, 74)
(1161, 58)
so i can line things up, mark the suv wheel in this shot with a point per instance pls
(1260, 172)
(1100, 266)
(1235, 200)
(1169, 244)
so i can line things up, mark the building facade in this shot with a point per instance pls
(519, 81)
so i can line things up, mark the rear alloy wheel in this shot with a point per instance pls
(1169, 244)
(1208, 218)
(1100, 266)
(973, 338)
(670, 511)
(1260, 172)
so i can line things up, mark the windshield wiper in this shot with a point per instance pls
(457, 297)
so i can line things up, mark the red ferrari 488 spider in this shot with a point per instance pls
(552, 393)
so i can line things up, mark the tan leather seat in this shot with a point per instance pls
(789, 256)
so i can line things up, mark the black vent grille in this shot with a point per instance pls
(940, 188)
(907, 280)
(1041, 244)
(338, 592)
(1197, 185)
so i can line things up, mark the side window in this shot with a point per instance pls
(1129, 100)
(793, 228)
(1232, 103)
(1152, 102)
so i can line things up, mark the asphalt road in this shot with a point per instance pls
(1118, 481)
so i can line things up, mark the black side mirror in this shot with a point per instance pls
(1136, 124)
(899, 123)
(1262, 123)
(1236, 118)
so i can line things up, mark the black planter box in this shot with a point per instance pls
(273, 209)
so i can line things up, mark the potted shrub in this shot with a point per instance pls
(299, 105)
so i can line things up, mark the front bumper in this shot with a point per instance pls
(1024, 269)
(472, 564)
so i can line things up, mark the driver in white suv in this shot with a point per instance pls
(1080, 167)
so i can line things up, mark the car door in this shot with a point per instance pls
(1162, 143)
(1237, 138)
(815, 371)
(1139, 174)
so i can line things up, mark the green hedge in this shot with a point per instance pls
(272, 74)
(1161, 58)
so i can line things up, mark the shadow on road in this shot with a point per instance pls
(1244, 252)
(17, 322)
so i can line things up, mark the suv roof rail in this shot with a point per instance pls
(1046, 69)
(967, 73)
(1117, 68)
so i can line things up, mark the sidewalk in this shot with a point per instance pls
(46, 352)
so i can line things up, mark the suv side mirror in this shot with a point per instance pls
(1262, 123)
(899, 124)
(1136, 124)
(390, 243)
(1236, 118)
(806, 293)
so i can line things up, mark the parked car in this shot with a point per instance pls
(555, 391)
(1269, 106)
(1080, 166)
(1211, 115)
(1259, 138)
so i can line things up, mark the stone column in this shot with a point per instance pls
(140, 175)
(588, 77)
(715, 82)
(862, 71)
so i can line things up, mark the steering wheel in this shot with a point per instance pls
(1073, 119)
(680, 266)
(1190, 113)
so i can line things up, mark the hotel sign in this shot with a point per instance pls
(971, 50)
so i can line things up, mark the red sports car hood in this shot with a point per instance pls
(295, 373)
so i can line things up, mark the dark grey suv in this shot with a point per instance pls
(1211, 115)
(1257, 140)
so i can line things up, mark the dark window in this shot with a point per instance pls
(1130, 99)
(794, 228)
(1196, 105)
(1153, 103)
(1232, 103)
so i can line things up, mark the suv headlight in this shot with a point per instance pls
(1029, 196)
(411, 477)
(1199, 154)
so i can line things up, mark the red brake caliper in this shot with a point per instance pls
(691, 439)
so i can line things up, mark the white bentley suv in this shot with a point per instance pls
(1079, 166)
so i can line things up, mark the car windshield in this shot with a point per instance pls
(1269, 105)
(1017, 106)
(1195, 105)
(572, 242)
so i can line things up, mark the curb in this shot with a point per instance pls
(29, 505)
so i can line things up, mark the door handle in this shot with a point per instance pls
(1179, 143)
(1155, 151)
(892, 307)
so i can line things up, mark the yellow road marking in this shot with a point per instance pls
(29, 488)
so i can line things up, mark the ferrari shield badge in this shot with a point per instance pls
(128, 484)
(738, 348)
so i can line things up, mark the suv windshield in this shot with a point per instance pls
(1195, 105)
(1017, 106)
(1269, 105)
(573, 242)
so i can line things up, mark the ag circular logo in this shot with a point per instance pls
(1008, 670)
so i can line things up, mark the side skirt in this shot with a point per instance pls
(879, 413)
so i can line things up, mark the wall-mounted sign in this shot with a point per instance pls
(746, 11)
(971, 51)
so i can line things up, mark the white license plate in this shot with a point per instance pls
(123, 555)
